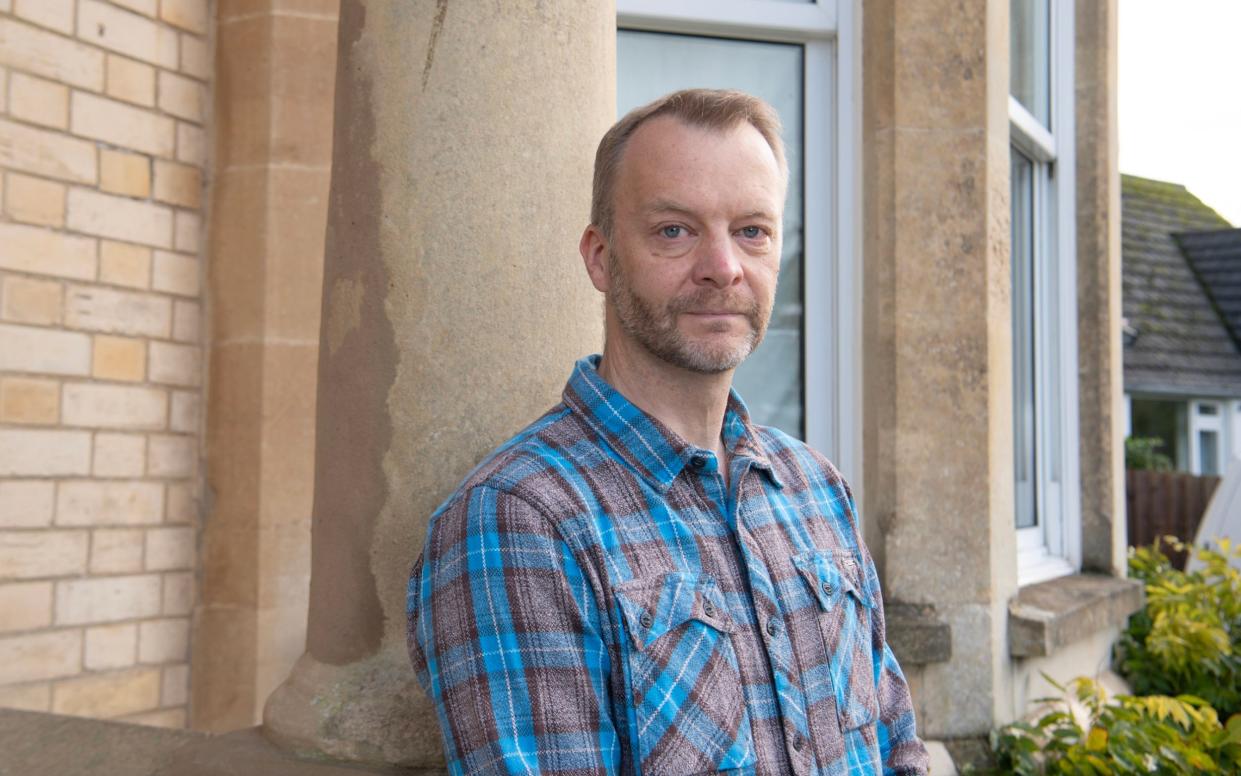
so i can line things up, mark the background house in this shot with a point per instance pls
(187, 360)
(1182, 348)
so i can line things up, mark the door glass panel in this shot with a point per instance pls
(1208, 452)
(1023, 340)
(651, 64)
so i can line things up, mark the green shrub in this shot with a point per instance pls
(1130, 735)
(1187, 640)
(1143, 453)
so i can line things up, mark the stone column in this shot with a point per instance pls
(275, 64)
(938, 412)
(454, 304)
(1101, 385)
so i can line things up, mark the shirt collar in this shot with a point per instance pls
(651, 448)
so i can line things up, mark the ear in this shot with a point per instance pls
(595, 255)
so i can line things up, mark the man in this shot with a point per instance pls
(643, 581)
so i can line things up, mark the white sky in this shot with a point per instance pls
(1180, 96)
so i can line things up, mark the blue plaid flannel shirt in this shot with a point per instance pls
(593, 600)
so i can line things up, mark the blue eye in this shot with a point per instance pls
(671, 232)
(751, 232)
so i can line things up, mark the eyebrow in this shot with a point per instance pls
(670, 206)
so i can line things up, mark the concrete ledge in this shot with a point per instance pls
(916, 635)
(1050, 615)
(37, 743)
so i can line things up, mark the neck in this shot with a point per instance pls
(690, 403)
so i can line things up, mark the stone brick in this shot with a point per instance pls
(111, 646)
(127, 33)
(179, 184)
(27, 697)
(124, 264)
(170, 549)
(39, 101)
(34, 200)
(180, 96)
(107, 695)
(4, 86)
(34, 554)
(119, 358)
(37, 656)
(27, 300)
(44, 152)
(43, 452)
(117, 312)
(192, 15)
(116, 551)
(178, 593)
(113, 406)
(170, 455)
(107, 599)
(175, 687)
(184, 416)
(130, 81)
(191, 144)
(164, 641)
(109, 502)
(123, 125)
(26, 503)
(50, 55)
(161, 718)
(174, 364)
(29, 400)
(120, 455)
(181, 505)
(124, 173)
(44, 252)
(30, 349)
(186, 320)
(120, 218)
(26, 606)
(195, 57)
(53, 14)
(144, 7)
(188, 230)
(175, 273)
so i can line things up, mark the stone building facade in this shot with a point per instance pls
(391, 194)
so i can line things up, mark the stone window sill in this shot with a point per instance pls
(1050, 615)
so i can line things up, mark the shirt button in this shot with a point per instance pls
(799, 742)
(827, 588)
(772, 628)
(645, 619)
(708, 609)
(698, 462)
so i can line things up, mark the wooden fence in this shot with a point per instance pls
(1163, 503)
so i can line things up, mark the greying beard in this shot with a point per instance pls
(660, 335)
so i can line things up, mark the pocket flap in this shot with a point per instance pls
(831, 574)
(653, 606)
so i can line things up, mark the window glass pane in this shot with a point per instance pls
(1024, 438)
(650, 64)
(1208, 452)
(1165, 421)
(1030, 56)
(1208, 409)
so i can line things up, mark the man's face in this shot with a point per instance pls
(695, 247)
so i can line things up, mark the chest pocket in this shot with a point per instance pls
(685, 683)
(844, 619)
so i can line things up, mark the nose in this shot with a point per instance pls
(717, 263)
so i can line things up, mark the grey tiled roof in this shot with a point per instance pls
(1215, 257)
(1183, 346)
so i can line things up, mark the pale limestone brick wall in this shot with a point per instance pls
(102, 153)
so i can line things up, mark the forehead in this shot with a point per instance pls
(667, 158)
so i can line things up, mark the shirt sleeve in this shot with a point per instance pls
(504, 634)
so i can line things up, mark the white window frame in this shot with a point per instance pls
(1234, 425)
(1199, 422)
(1053, 547)
(830, 32)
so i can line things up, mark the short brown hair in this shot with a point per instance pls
(717, 109)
